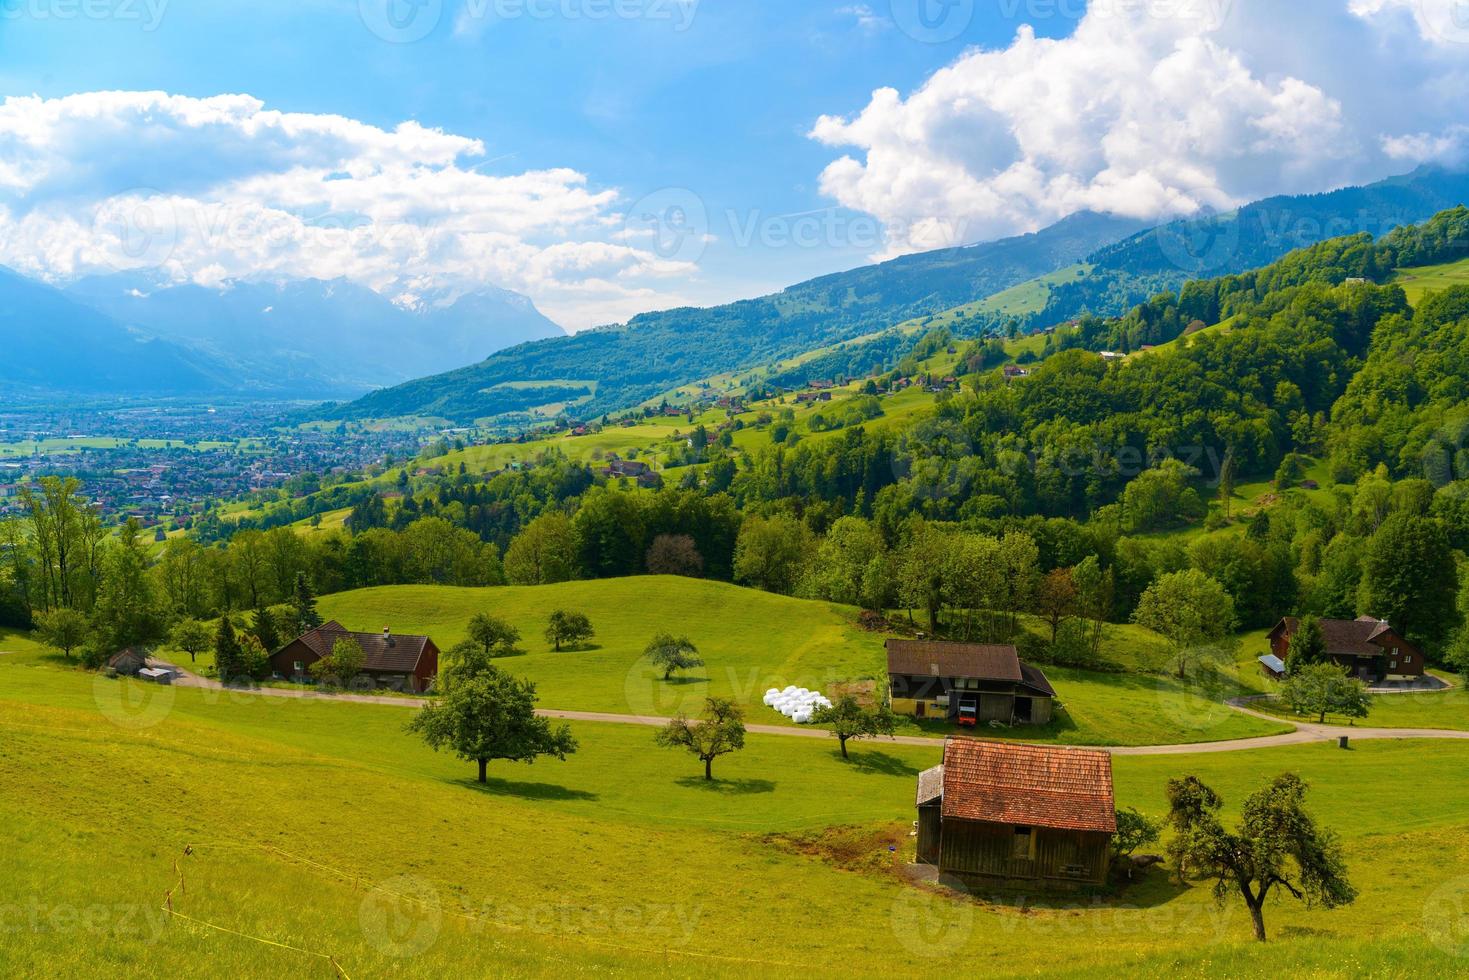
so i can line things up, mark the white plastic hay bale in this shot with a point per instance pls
(789, 690)
(801, 717)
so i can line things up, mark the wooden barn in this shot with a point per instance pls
(970, 683)
(402, 663)
(996, 812)
(1370, 648)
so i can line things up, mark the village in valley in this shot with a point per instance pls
(781, 489)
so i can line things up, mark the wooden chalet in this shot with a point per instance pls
(969, 683)
(995, 812)
(402, 663)
(1370, 648)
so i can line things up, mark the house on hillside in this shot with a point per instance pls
(970, 683)
(1370, 648)
(995, 812)
(400, 663)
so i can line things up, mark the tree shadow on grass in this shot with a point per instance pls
(728, 787)
(685, 681)
(876, 762)
(527, 791)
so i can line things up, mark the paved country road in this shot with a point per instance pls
(1304, 734)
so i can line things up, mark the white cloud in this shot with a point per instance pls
(867, 19)
(216, 189)
(1155, 109)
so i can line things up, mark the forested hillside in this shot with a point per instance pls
(658, 351)
(1091, 490)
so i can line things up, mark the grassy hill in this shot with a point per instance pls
(326, 830)
(752, 641)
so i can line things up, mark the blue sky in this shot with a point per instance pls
(719, 99)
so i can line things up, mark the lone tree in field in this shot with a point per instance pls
(494, 637)
(1190, 803)
(1326, 688)
(720, 732)
(1307, 646)
(1189, 608)
(672, 653)
(568, 629)
(190, 636)
(487, 714)
(1277, 844)
(63, 629)
(848, 719)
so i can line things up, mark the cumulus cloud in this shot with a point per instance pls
(1156, 109)
(217, 189)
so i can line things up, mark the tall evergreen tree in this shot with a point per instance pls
(305, 603)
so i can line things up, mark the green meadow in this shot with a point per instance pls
(320, 829)
(752, 641)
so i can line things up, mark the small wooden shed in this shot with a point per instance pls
(1018, 813)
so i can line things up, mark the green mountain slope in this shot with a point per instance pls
(658, 351)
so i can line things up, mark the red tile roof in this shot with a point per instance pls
(1028, 785)
(931, 658)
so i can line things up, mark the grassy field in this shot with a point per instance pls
(752, 641)
(1418, 282)
(1441, 709)
(325, 828)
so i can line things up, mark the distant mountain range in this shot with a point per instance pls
(308, 339)
(1116, 263)
(615, 367)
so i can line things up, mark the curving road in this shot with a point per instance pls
(1304, 734)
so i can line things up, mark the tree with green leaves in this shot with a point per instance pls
(1277, 844)
(1410, 579)
(670, 653)
(1192, 610)
(63, 629)
(493, 636)
(191, 636)
(228, 656)
(304, 600)
(568, 629)
(1307, 645)
(720, 731)
(1326, 688)
(1190, 803)
(1134, 830)
(342, 665)
(265, 630)
(485, 715)
(848, 719)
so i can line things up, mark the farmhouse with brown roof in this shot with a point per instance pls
(970, 683)
(1370, 648)
(1001, 812)
(403, 663)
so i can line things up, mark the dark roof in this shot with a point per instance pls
(128, 653)
(935, 659)
(1346, 637)
(387, 652)
(1028, 785)
(1034, 678)
(930, 785)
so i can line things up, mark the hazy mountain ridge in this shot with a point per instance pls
(657, 351)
